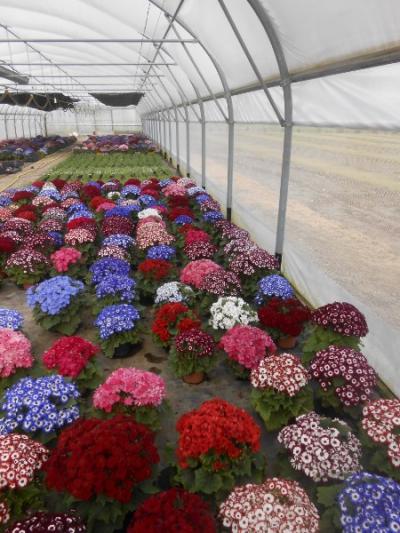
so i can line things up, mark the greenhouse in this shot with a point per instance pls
(199, 266)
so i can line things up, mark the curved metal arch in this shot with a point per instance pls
(228, 98)
(285, 82)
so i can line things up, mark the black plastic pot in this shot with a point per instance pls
(127, 350)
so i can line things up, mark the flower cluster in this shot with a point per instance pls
(20, 458)
(11, 318)
(283, 373)
(34, 404)
(121, 287)
(63, 258)
(162, 251)
(27, 260)
(54, 294)
(285, 316)
(381, 422)
(230, 231)
(228, 311)
(341, 317)
(173, 510)
(195, 271)
(369, 503)
(273, 286)
(75, 237)
(196, 235)
(254, 258)
(119, 239)
(149, 212)
(323, 449)
(113, 251)
(69, 355)
(221, 282)
(152, 233)
(115, 319)
(247, 345)
(171, 317)
(346, 371)
(216, 427)
(130, 387)
(15, 352)
(97, 457)
(108, 266)
(195, 342)
(173, 292)
(155, 269)
(274, 505)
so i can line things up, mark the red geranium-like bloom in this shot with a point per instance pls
(82, 222)
(96, 457)
(22, 195)
(287, 316)
(133, 181)
(90, 191)
(178, 211)
(170, 316)
(96, 201)
(7, 245)
(155, 269)
(216, 427)
(69, 355)
(59, 183)
(172, 511)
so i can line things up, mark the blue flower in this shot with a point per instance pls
(115, 319)
(119, 211)
(11, 318)
(83, 212)
(147, 200)
(57, 237)
(5, 200)
(120, 286)
(133, 190)
(192, 191)
(54, 194)
(108, 266)
(161, 251)
(212, 216)
(69, 194)
(119, 239)
(183, 219)
(202, 198)
(167, 181)
(54, 295)
(39, 404)
(273, 285)
(369, 503)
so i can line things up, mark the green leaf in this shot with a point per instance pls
(327, 495)
(207, 482)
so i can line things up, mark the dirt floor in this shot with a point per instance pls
(344, 201)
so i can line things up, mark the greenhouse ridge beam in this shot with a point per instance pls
(72, 41)
(92, 64)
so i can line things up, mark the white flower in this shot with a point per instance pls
(149, 212)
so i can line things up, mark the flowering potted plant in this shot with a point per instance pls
(82, 239)
(68, 261)
(194, 272)
(173, 510)
(246, 347)
(7, 246)
(192, 355)
(21, 458)
(169, 320)
(39, 406)
(284, 320)
(345, 379)
(26, 267)
(274, 505)
(108, 266)
(74, 357)
(339, 323)
(119, 330)
(113, 289)
(381, 436)
(218, 447)
(150, 273)
(133, 392)
(102, 468)
(11, 319)
(41, 521)
(273, 286)
(218, 283)
(228, 311)
(15, 355)
(281, 390)
(57, 304)
(173, 292)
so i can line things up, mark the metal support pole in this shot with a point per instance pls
(5, 126)
(112, 120)
(22, 126)
(229, 192)
(45, 126)
(203, 152)
(187, 143)
(178, 157)
(29, 127)
(159, 132)
(170, 137)
(15, 127)
(165, 137)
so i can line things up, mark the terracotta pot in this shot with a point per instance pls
(27, 286)
(287, 342)
(194, 379)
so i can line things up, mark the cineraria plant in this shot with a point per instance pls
(195, 271)
(20, 460)
(228, 311)
(251, 265)
(74, 357)
(57, 304)
(173, 510)
(193, 351)
(26, 266)
(217, 283)
(173, 292)
(218, 447)
(323, 449)
(133, 392)
(67, 260)
(283, 318)
(152, 272)
(39, 406)
(169, 320)
(151, 234)
(273, 286)
(246, 347)
(11, 319)
(113, 289)
(15, 354)
(102, 468)
(369, 503)
(381, 436)
(108, 266)
(339, 323)
(117, 325)
(345, 378)
(281, 391)
(274, 505)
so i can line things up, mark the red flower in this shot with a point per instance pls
(96, 201)
(38, 183)
(22, 195)
(133, 181)
(69, 355)
(7, 245)
(59, 183)
(218, 428)
(96, 457)
(90, 191)
(172, 316)
(23, 209)
(155, 269)
(27, 215)
(287, 316)
(178, 211)
(171, 511)
(82, 222)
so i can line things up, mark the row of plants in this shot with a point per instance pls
(136, 142)
(84, 449)
(88, 166)
(33, 149)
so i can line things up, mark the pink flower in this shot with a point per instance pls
(15, 352)
(152, 233)
(64, 257)
(247, 345)
(130, 386)
(283, 373)
(195, 271)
